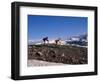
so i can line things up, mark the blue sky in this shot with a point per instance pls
(55, 26)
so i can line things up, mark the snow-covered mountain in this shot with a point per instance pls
(78, 40)
(31, 42)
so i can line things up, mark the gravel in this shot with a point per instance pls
(34, 62)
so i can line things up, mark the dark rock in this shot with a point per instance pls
(38, 54)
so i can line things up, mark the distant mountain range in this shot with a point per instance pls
(83, 36)
(77, 40)
(79, 37)
(35, 42)
(80, 40)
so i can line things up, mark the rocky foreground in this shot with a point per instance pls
(65, 54)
